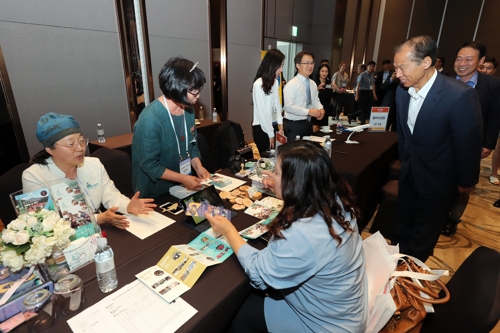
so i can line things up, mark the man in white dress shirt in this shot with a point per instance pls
(301, 99)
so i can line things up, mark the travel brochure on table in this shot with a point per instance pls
(182, 265)
(73, 207)
(30, 202)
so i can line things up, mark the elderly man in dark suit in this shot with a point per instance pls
(439, 133)
(469, 57)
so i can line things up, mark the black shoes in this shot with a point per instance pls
(450, 229)
(497, 204)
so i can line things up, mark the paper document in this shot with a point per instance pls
(144, 226)
(133, 309)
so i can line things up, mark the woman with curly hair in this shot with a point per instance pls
(313, 269)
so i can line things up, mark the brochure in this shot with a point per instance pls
(73, 207)
(182, 265)
(30, 202)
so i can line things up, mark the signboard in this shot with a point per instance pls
(378, 118)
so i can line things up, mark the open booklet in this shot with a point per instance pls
(182, 265)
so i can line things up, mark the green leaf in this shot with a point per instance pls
(20, 249)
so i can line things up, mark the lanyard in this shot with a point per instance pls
(173, 126)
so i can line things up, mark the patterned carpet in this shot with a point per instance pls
(480, 227)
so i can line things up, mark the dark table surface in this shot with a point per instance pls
(365, 165)
(222, 288)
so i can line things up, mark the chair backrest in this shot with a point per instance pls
(474, 305)
(119, 167)
(10, 182)
(228, 138)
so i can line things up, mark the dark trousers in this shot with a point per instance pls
(339, 104)
(261, 138)
(250, 318)
(365, 104)
(420, 219)
(294, 128)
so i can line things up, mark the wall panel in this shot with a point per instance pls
(244, 27)
(65, 57)
(180, 28)
(488, 28)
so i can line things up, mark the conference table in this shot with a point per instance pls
(221, 289)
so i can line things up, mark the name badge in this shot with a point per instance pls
(274, 115)
(185, 166)
(344, 84)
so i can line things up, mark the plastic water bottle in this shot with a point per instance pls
(105, 266)
(297, 137)
(214, 115)
(328, 146)
(100, 134)
(340, 127)
(202, 114)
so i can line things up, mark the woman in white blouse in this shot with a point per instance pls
(267, 117)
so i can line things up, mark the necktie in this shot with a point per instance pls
(308, 91)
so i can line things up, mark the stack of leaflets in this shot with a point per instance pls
(182, 265)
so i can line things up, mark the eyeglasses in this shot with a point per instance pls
(307, 63)
(195, 93)
(73, 146)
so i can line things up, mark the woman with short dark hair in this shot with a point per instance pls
(313, 269)
(164, 147)
(325, 94)
(267, 117)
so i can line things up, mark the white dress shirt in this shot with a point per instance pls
(263, 107)
(294, 95)
(416, 101)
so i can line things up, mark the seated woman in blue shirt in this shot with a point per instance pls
(314, 266)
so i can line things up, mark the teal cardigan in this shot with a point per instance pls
(154, 149)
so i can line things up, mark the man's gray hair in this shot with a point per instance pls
(422, 46)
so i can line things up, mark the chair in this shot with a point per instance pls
(10, 182)
(119, 167)
(386, 216)
(206, 158)
(474, 305)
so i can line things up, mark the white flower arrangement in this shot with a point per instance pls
(29, 239)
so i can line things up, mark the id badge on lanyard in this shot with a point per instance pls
(185, 166)
(274, 114)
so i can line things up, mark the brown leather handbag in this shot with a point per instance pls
(410, 311)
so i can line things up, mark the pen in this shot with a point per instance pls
(340, 152)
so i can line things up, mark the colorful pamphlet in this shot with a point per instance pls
(182, 265)
(32, 201)
(198, 210)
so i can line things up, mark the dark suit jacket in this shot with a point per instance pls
(445, 147)
(488, 90)
(378, 85)
(389, 89)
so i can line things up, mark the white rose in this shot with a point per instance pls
(24, 217)
(17, 225)
(62, 232)
(38, 251)
(8, 235)
(21, 237)
(53, 215)
(31, 222)
(13, 260)
(48, 224)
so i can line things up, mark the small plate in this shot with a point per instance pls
(197, 123)
(329, 131)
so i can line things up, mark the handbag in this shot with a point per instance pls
(411, 297)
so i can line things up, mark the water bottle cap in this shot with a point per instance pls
(99, 124)
(102, 242)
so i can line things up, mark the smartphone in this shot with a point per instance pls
(329, 86)
(172, 208)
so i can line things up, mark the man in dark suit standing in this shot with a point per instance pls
(439, 137)
(381, 77)
(390, 86)
(469, 57)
